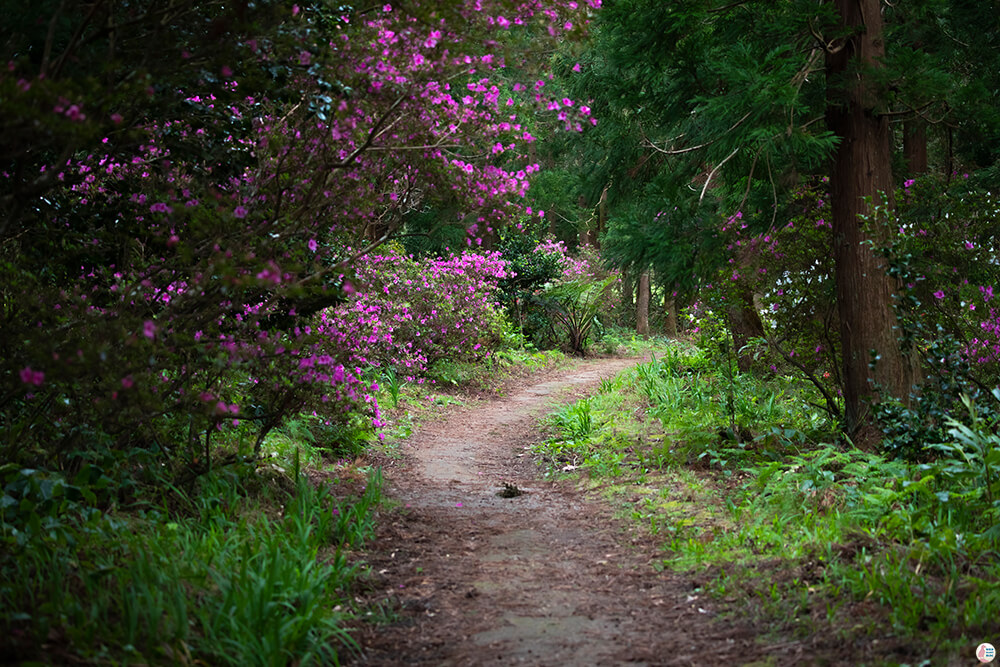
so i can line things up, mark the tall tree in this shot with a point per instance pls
(860, 184)
(708, 105)
(642, 300)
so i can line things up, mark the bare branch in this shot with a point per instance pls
(681, 151)
(712, 173)
(746, 193)
(731, 5)
(774, 189)
(375, 132)
(827, 46)
(76, 38)
(50, 37)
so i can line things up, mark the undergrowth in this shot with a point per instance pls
(746, 483)
(244, 571)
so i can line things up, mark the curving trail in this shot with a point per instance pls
(544, 578)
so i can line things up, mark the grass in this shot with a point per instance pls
(744, 483)
(239, 576)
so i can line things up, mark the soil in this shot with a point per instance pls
(484, 562)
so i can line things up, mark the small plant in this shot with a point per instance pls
(392, 383)
(574, 422)
(574, 305)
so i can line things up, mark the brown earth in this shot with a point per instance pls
(547, 577)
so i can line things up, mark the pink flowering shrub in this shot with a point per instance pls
(409, 313)
(182, 205)
(944, 256)
(781, 281)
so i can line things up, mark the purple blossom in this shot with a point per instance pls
(32, 377)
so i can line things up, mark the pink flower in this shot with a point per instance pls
(313, 245)
(939, 294)
(239, 212)
(32, 377)
(74, 113)
(149, 329)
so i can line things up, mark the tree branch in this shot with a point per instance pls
(681, 151)
(731, 5)
(712, 173)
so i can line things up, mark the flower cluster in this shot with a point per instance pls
(409, 313)
(177, 243)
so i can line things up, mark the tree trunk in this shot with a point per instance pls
(670, 313)
(628, 299)
(744, 325)
(583, 233)
(915, 146)
(642, 305)
(861, 179)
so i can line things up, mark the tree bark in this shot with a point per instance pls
(642, 305)
(670, 313)
(915, 146)
(744, 325)
(860, 180)
(628, 299)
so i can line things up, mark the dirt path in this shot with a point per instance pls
(543, 578)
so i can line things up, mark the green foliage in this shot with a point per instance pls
(528, 272)
(393, 384)
(814, 535)
(312, 438)
(574, 305)
(616, 340)
(236, 579)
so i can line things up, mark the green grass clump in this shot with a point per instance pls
(229, 578)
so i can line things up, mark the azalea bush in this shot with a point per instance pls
(409, 313)
(943, 256)
(176, 216)
(781, 277)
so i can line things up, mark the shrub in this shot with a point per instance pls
(410, 313)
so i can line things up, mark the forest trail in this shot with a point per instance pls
(547, 577)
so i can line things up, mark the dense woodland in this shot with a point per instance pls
(235, 236)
